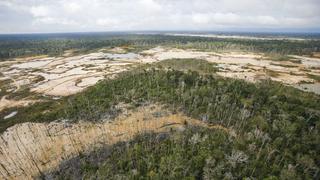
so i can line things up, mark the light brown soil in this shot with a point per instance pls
(28, 149)
(8, 103)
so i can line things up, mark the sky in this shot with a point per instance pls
(45, 16)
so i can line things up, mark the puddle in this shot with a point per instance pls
(11, 115)
(122, 56)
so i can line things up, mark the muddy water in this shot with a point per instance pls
(122, 56)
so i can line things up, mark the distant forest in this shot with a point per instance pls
(12, 46)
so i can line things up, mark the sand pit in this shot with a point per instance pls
(31, 148)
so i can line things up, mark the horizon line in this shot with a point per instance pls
(166, 31)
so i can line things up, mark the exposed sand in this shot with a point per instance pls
(32, 64)
(31, 148)
(64, 89)
(127, 56)
(60, 75)
(5, 103)
(309, 87)
(247, 66)
(308, 61)
(89, 81)
(180, 54)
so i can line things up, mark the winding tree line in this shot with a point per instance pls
(11, 47)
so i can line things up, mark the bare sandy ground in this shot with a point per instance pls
(309, 87)
(28, 149)
(248, 66)
(61, 74)
(5, 103)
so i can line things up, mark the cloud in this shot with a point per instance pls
(39, 11)
(233, 19)
(107, 22)
(228, 18)
(52, 21)
(109, 15)
(150, 5)
(72, 7)
(266, 20)
(201, 18)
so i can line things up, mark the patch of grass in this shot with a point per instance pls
(284, 65)
(23, 92)
(314, 68)
(305, 69)
(272, 73)
(4, 85)
(284, 58)
(36, 70)
(89, 65)
(136, 48)
(78, 81)
(295, 74)
(38, 79)
(314, 77)
(315, 54)
(305, 82)
(40, 112)
(198, 65)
